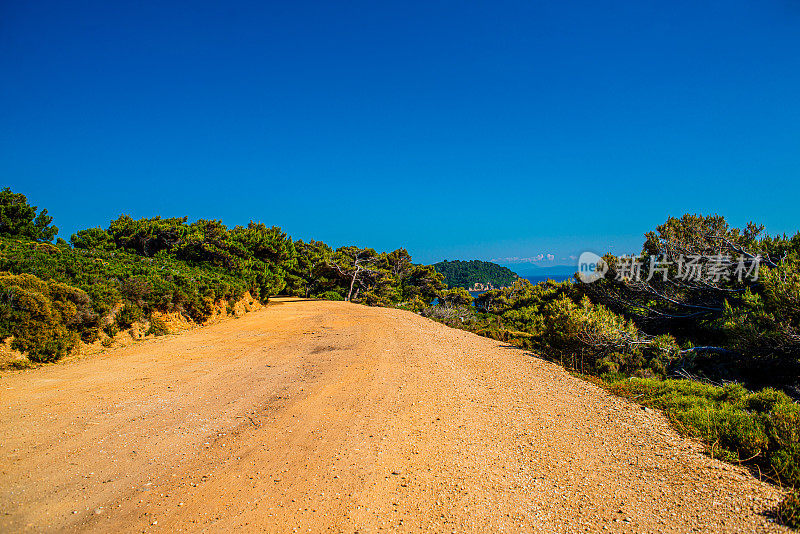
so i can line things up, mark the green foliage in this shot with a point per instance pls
(362, 275)
(748, 329)
(19, 219)
(157, 327)
(44, 318)
(93, 238)
(453, 315)
(698, 234)
(591, 336)
(760, 429)
(329, 295)
(269, 255)
(729, 329)
(466, 274)
(421, 284)
(311, 272)
(523, 294)
(456, 297)
(789, 510)
(207, 241)
(129, 314)
(781, 291)
(111, 330)
(147, 237)
(256, 253)
(107, 278)
(562, 324)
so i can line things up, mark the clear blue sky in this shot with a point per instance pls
(455, 129)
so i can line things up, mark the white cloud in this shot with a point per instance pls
(529, 259)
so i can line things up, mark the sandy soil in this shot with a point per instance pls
(323, 416)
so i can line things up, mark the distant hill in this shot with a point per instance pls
(466, 274)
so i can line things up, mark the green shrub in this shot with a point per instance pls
(111, 329)
(761, 428)
(105, 278)
(44, 318)
(415, 304)
(456, 297)
(203, 309)
(20, 219)
(789, 510)
(329, 295)
(454, 316)
(136, 289)
(129, 314)
(766, 399)
(157, 327)
(93, 238)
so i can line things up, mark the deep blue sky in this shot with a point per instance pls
(454, 129)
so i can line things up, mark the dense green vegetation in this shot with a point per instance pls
(361, 275)
(466, 274)
(638, 332)
(96, 281)
(19, 219)
(52, 296)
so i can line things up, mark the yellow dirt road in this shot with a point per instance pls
(314, 416)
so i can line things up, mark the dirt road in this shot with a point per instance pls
(324, 416)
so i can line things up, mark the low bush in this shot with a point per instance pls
(788, 511)
(44, 319)
(456, 297)
(157, 327)
(329, 295)
(760, 429)
(456, 316)
(111, 330)
(129, 314)
(49, 301)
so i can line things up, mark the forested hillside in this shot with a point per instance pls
(466, 274)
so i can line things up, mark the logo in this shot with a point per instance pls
(591, 267)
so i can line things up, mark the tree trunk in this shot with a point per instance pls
(352, 283)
